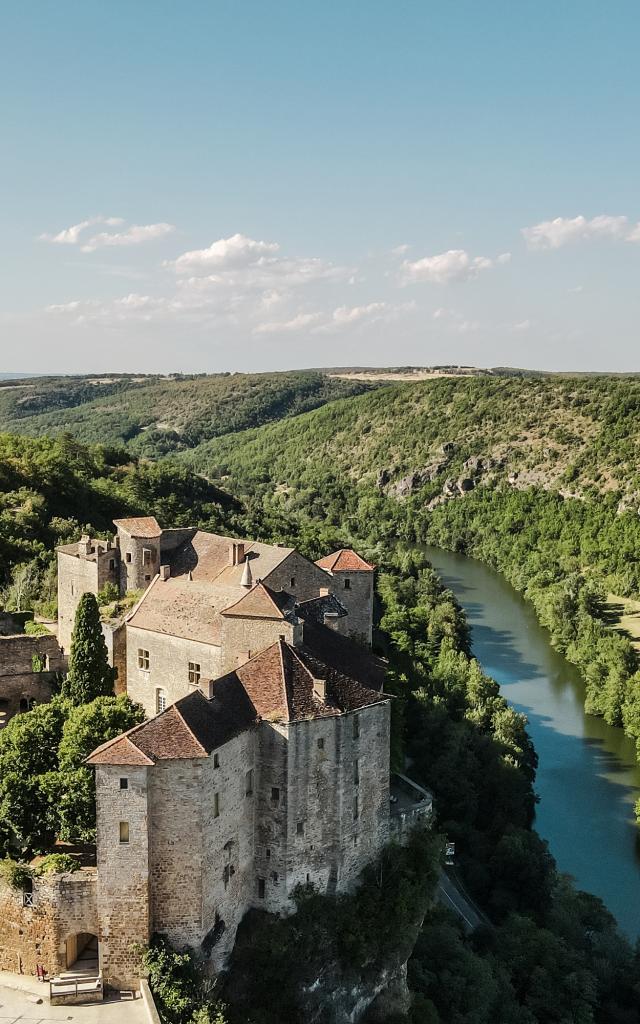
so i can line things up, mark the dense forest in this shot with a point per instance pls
(153, 416)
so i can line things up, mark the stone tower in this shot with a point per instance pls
(139, 543)
(353, 585)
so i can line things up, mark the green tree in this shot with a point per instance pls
(90, 674)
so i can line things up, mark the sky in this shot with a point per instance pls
(212, 185)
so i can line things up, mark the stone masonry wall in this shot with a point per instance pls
(308, 579)
(18, 681)
(64, 906)
(137, 568)
(229, 878)
(76, 576)
(271, 818)
(245, 637)
(357, 598)
(169, 659)
(123, 871)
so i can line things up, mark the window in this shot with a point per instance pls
(274, 877)
(73, 590)
(321, 743)
(161, 701)
(308, 879)
(194, 672)
(143, 659)
(216, 760)
(124, 783)
(147, 577)
(293, 581)
(261, 888)
(347, 584)
(275, 794)
(248, 782)
(356, 808)
(124, 831)
(268, 853)
(300, 828)
(128, 556)
(146, 556)
(356, 772)
(112, 563)
(356, 728)
(216, 805)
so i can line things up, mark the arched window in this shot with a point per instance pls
(161, 700)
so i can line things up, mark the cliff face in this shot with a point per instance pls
(372, 995)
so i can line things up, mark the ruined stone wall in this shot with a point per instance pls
(63, 906)
(229, 876)
(115, 637)
(123, 870)
(242, 638)
(169, 658)
(18, 681)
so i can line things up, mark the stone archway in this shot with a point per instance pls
(82, 954)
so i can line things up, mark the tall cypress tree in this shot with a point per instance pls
(90, 674)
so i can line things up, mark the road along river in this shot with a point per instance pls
(588, 779)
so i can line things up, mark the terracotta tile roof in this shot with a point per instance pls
(190, 728)
(181, 607)
(343, 654)
(345, 560)
(206, 557)
(144, 526)
(277, 685)
(260, 603)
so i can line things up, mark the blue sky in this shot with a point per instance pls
(246, 185)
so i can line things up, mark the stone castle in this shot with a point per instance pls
(263, 763)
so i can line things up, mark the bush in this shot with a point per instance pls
(17, 876)
(57, 864)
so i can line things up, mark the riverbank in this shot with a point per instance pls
(587, 777)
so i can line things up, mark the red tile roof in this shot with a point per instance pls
(279, 684)
(345, 560)
(144, 526)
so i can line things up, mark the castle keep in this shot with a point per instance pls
(263, 762)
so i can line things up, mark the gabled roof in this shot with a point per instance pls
(180, 607)
(206, 557)
(192, 727)
(259, 603)
(345, 560)
(315, 608)
(144, 526)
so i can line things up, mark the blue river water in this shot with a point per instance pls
(588, 778)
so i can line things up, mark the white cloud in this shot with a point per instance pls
(553, 234)
(133, 235)
(296, 323)
(455, 321)
(522, 325)
(453, 265)
(400, 250)
(235, 251)
(71, 235)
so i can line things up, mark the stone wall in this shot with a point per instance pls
(271, 818)
(308, 579)
(123, 870)
(115, 637)
(139, 561)
(63, 906)
(242, 638)
(357, 598)
(169, 658)
(19, 684)
(78, 575)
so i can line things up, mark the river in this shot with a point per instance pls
(588, 779)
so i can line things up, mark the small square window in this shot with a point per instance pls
(261, 888)
(124, 783)
(321, 743)
(124, 832)
(194, 672)
(143, 659)
(300, 828)
(128, 556)
(275, 794)
(147, 577)
(347, 584)
(248, 783)
(216, 805)
(216, 760)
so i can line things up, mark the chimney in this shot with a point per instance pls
(236, 552)
(324, 592)
(84, 544)
(165, 572)
(320, 689)
(242, 657)
(247, 580)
